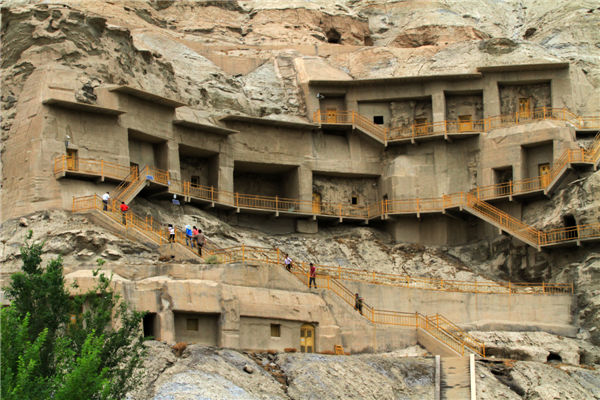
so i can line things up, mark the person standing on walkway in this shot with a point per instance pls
(124, 209)
(313, 276)
(189, 240)
(200, 241)
(105, 198)
(288, 262)
(358, 303)
(171, 234)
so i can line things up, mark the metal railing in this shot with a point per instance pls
(417, 130)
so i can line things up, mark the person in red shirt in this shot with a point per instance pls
(313, 276)
(124, 209)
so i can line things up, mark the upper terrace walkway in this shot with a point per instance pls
(473, 202)
(449, 129)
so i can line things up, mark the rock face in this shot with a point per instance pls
(204, 52)
(204, 372)
(532, 380)
(538, 346)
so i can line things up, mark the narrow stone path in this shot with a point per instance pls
(455, 378)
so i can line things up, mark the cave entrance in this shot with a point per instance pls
(502, 178)
(333, 36)
(149, 324)
(554, 357)
(571, 225)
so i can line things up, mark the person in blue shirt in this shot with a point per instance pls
(188, 236)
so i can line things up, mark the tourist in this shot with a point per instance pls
(313, 276)
(171, 234)
(105, 198)
(124, 210)
(189, 239)
(200, 241)
(288, 262)
(358, 303)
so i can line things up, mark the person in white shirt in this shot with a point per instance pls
(171, 234)
(105, 198)
(288, 263)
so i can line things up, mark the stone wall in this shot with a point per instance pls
(196, 328)
(195, 167)
(464, 104)
(538, 93)
(406, 112)
(258, 184)
(343, 189)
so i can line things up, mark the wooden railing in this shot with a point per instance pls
(274, 256)
(416, 130)
(352, 118)
(101, 168)
(472, 201)
(154, 230)
(438, 326)
(448, 333)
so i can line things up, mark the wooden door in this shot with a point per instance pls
(316, 203)
(72, 162)
(465, 124)
(544, 171)
(307, 338)
(331, 115)
(134, 168)
(524, 107)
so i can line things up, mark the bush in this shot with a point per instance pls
(59, 346)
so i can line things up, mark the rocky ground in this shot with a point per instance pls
(509, 379)
(209, 373)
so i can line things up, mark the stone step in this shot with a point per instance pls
(455, 383)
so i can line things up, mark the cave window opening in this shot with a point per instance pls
(333, 36)
(554, 357)
(571, 225)
(378, 119)
(354, 200)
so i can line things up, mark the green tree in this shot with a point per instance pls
(65, 347)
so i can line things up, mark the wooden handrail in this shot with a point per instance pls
(456, 126)
(94, 202)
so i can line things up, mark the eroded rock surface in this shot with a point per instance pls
(205, 372)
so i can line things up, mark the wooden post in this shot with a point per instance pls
(243, 253)
(276, 202)
(212, 191)
(236, 199)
